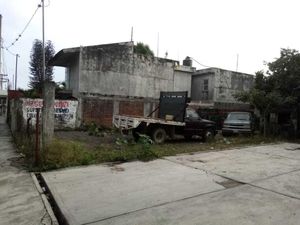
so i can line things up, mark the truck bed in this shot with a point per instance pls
(131, 122)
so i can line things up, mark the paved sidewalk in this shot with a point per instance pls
(254, 185)
(20, 202)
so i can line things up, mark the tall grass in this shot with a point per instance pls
(65, 153)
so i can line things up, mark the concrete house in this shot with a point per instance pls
(3, 93)
(214, 87)
(111, 79)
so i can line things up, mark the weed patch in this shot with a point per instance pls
(25, 145)
(62, 153)
(77, 149)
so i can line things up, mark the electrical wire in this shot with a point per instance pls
(200, 63)
(20, 35)
(10, 52)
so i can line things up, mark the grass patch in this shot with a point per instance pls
(128, 153)
(218, 144)
(62, 153)
(66, 153)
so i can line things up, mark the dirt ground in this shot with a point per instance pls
(89, 140)
(110, 137)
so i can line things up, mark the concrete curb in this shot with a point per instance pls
(44, 199)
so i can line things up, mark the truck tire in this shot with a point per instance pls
(208, 135)
(135, 135)
(159, 135)
(188, 137)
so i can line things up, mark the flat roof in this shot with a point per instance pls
(66, 57)
(212, 70)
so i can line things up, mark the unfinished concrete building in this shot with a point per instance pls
(111, 79)
(214, 88)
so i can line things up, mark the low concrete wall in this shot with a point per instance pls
(15, 116)
(64, 115)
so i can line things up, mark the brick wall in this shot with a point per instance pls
(12, 94)
(131, 108)
(98, 111)
(101, 111)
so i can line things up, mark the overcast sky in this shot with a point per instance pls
(211, 31)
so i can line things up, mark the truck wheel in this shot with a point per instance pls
(208, 135)
(159, 135)
(135, 135)
(188, 137)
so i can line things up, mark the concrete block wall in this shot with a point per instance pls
(197, 87)
(24, 108)
(115, 70)
(16, 122)
(222, 85)
(227, 83)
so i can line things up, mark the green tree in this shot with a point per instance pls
(143, 49)
(36, 64)
(277, 89)
(284, 72)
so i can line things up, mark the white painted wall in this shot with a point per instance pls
(65, 111)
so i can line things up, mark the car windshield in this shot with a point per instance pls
(238, 116)
(190, 113)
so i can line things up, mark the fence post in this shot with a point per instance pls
(37, 138)
(48, 113)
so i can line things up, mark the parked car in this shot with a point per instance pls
(238, 123)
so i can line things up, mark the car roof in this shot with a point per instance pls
(240, 112)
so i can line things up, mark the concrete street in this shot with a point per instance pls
(20, 201)
(253, 185)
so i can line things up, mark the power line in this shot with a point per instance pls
(20, 35)
(200, 63)
(10, 52)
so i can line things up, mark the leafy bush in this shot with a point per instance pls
(143, 49)
(93, 129)
(145, 141)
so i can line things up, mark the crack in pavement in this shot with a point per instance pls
(243, 183)
(154, 206)
(276, 192)
(178, 200)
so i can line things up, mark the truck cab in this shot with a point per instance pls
(195, 125)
